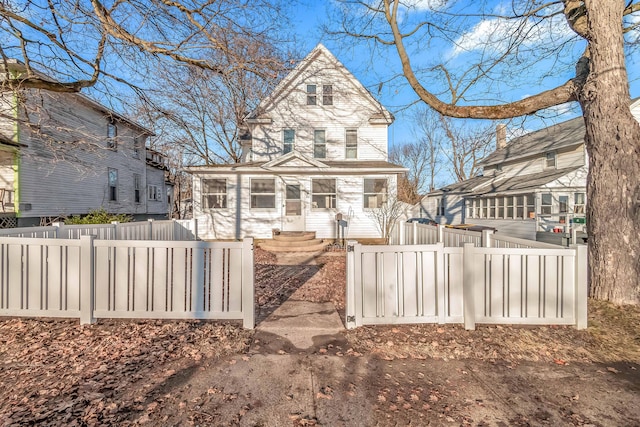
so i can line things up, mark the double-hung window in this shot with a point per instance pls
(312, 95)
(214, 193)
(375, 192)
(579, 203)
(550, 160)
(351, 144)
(112, 136)
(154, 193)
(327, 95)
(288, 140)
(323, 193)
(319, 144)
(545, 205)
(137, 146)
(113, 184)
(263, 193)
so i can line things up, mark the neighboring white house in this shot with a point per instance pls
(64, 154)
(535, 183)
(316, 147)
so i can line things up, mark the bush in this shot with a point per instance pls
(98, 216)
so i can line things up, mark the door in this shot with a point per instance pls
(293, 215)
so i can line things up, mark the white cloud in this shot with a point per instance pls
(430, 5)
(497, 34)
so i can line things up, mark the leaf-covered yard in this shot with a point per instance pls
(55, 372)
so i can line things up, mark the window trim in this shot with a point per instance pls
(550, 155)
(154, 193)
(327, 95)
(384, 194)
(204, 194)
(252, 193)
(333, 197)
(543, 205)
(312, 95)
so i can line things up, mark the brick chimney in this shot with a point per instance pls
(501, 136)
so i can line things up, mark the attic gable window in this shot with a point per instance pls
(550, 160)
(327, 95)
(312, 95)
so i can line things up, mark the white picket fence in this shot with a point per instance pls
(469, 284)
(141, 230)
(89, 279)
(423, 234)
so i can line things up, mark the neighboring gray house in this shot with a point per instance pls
(316, 147)
(64, 154)
(534, 183)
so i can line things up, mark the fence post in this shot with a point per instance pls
(150, 229)
(440, 233)
(58, 225)
(87, 287)
(350, 305)
(194, 227)
(414, 232)
(486, 238)
(248, 290)
(468, 291)
(401, 236)
(116, 230)
(582, 286)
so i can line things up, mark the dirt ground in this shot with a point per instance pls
(56, 372)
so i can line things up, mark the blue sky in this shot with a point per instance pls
(311, 15)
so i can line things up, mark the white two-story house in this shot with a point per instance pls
(316, 147)
(533, 184)
(64, 154)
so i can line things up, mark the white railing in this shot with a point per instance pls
(438, 284)
(142, 230)
(423, 234)
(91, 279)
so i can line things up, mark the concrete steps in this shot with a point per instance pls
(294, 241)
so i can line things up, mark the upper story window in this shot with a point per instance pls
(579, 203)
(319, 144)
(112, 136)
(214, 193)
(375, 192)
(137, 182)
(312, 95)
(137, 146)
(550, 160)
(327, 95)
(288, 140)
(263, 193)
(351, 144)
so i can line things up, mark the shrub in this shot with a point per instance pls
(98, 216)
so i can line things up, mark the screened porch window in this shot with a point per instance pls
(323, 193)
(263, 193)
(375, 193)
(214, 193)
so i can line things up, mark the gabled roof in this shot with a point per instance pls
(285, 86)
(294, 159)
(563, 135)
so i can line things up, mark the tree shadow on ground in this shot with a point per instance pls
(274, 284)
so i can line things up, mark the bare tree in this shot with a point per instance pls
(387, 216)
(418, 158)
(503, 44)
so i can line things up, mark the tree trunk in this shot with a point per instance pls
(613, 144)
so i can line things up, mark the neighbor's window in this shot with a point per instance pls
(510, 207)
(375, 192)
(327, 95)
(137, 146)
(288, 140)
(323, 193)
(113, 184)
(579, 203)
(492, 207)
(214, 193)
(137, 179)
(550, 159)
(312, 96)
(440, 206)
(531, 206)
(351, 144)
(501, 205)
(263, 193)
(545, 205)
(319, 144)
(519, 207)
(112, 136)
(154, 193)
